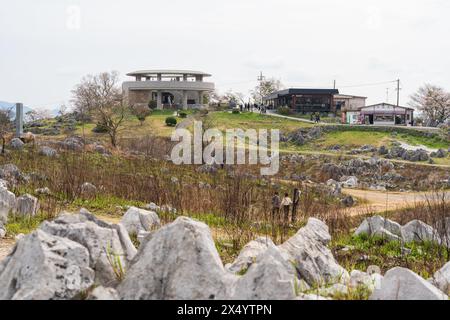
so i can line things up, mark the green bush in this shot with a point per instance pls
(100, 128)
(285, 111)
(183, 115)
(152, 104)
(171, 121)
(235, 111)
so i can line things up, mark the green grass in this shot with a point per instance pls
(24, 225)
(251, 120)
(105, 204)
(430, 142)
(425, 258)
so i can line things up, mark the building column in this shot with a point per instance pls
(200, 97)
(159, 100)
(185, 104)
(19, 120)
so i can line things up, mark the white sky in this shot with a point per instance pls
(44, 52)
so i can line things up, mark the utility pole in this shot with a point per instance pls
(398, 92)
(261, 78)
(334, 84)
(387, 95)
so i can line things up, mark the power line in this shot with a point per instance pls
(368, 84)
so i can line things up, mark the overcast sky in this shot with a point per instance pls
(47, 46)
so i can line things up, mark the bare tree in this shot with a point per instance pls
(265, 88)
(235, 97)
(433, 102)
(141, 113)
(101, 97)
(39, 114)
(6, 126)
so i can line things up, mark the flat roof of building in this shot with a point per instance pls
(301, 91)
(344, 96)
(386, 104)
(167, 72)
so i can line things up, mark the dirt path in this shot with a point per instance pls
(381, 201)
(5, 247)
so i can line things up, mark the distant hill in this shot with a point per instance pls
(8, 105)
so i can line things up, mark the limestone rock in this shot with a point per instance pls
(350, 182)
(17, 144)
(248, 254)
(442, 278)
(136, 220)
(48, 152)
(106, 243)
(362, 279)
(307, 297)
(102, 293)
(27, 205)
(2, 230)
(372, 225)
(313, 260)
(7, 203)
(403, 284)
(417, 230)
(178, 261)
(43, 191)
(152, 207)
(335, 289)
(88, 189)
(271, 277)
(43, 267)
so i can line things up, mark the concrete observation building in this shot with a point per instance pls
(172, 88)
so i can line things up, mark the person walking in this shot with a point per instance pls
(295, 203)
(276, 202)
(286, 204)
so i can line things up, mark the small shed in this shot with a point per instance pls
(386, 114)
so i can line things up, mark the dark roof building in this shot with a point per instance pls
(304, 100)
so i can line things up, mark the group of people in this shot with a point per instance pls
(250, 107)
(285, 209)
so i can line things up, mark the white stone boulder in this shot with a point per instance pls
(417, 230)
(102, 293)
(350, 182)
(7, 203)
(314, 261)
(88, 189)
(178, 261)
(337, 289)
(17, 144)
(48, 152)
(403, 284)
(442, 278)
(26, 206)
(106, 243)
(373, 225)
(271, 277)
(360, 279)
(136, 220)
(2, 230)
(44, 267)
(248, 254)
(310, 297)
(152, 207)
